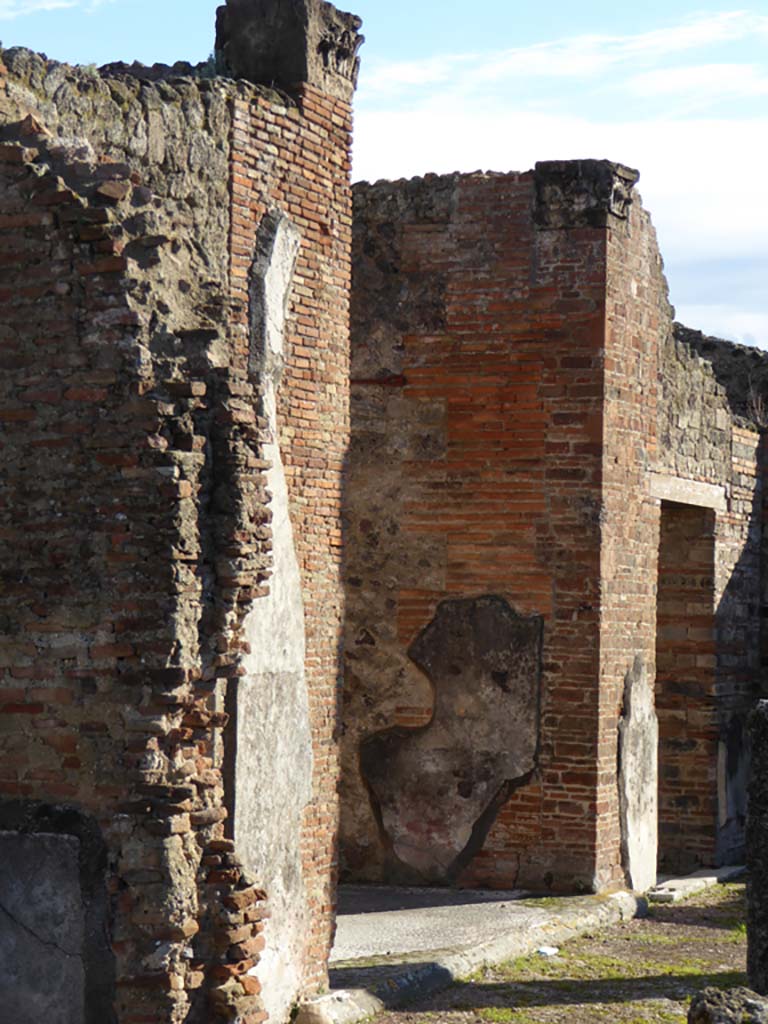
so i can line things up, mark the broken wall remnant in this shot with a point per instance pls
(138, 538)
(174, 348)
(522, 406)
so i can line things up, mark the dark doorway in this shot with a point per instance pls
(685, 688)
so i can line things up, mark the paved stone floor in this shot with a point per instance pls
(379, 921)
(394, 921)
(394, 944)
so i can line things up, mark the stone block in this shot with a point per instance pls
(288, 43)
(737, 1006)
(42, 929)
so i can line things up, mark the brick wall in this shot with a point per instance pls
(520, 407)
(638, 318)
(685, 688)
(297, 158)
(112, 696)
(134, 512)
(477, 426)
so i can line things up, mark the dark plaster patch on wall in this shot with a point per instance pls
(435, 787)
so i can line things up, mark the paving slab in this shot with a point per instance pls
(378, 921)
(672, 890)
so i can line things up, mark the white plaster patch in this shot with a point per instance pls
(638, 779)
(274, 743)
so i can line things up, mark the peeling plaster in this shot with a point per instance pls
(638, 779)
(273, 769)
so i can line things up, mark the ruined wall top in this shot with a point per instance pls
(582, 193)
(567, 193)
(288, 43)
(719, 373)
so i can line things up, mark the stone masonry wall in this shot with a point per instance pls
(134, 513)
(111, 684)
(711, 418)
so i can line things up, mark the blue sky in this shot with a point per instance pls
(678, 89)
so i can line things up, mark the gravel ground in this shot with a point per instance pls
(641, 972)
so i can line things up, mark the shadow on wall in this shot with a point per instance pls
(743, 374)
(740, 671)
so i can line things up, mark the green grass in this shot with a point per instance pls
(581, 966)
(499, 1015)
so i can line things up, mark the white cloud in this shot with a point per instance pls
(584, 57)
(387, 77)
(17, 8)
(695, 179)
(10, 9)
(722, 321)
(508, 109)
(596, 54)
(693, 172)
(701, 83)
(701, 30)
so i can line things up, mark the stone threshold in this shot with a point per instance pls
(671, 890)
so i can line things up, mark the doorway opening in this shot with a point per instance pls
(685, 688)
